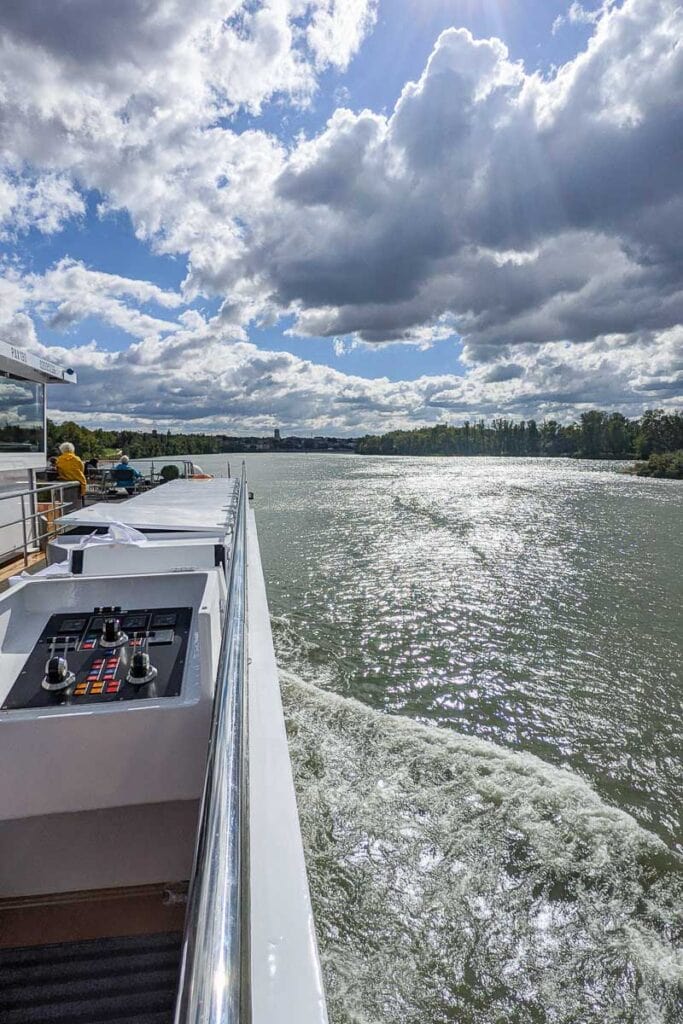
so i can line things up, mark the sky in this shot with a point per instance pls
(343, 216)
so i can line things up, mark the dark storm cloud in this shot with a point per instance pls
(91, 30)
(504, 371)
(530, 210)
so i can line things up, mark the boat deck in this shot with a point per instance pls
(130, 980)
(122, 813)
(177, 505)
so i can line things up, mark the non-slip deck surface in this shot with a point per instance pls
(130, 980)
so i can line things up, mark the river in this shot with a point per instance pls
(482, 672)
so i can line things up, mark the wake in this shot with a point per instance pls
(455, 880)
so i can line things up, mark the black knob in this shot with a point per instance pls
(57, 674)
(57, 670)
(112, 630)
(139, 666)
(112, 634)
(141, 669)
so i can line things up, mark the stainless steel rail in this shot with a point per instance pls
(29, 520)
(214, 971)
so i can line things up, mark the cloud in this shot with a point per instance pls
(539, 218)
(337, 29)
(194, 373)
(44, 202)
(134, 98)
(577, 14)
(199, 379)
(504, 371)
(69, 293)
(531, 210)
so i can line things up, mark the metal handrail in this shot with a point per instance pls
(45, 485)
(214, 971)
(26, 518)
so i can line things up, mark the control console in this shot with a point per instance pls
(107, 654)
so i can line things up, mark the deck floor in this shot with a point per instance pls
(130, 980)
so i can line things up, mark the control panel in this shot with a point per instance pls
(107, 654)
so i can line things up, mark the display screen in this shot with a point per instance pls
(22, 415)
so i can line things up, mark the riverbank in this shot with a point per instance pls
(664, 465)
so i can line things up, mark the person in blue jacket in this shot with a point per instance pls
(126, 475)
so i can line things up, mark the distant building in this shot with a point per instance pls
(277, 443)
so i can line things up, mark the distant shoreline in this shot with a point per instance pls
(597, 435)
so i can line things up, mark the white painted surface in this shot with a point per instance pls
(287, 986)
(60, 548)
(32, 367)
(125, 753)
(153, 557)
(178, 505)
(11, 482)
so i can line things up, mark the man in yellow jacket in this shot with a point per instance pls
(69, 466)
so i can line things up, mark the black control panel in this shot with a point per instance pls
(104, 655)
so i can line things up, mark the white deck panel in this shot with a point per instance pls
(286, 979)
(179, 505)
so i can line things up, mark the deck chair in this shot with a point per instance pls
(125, 478)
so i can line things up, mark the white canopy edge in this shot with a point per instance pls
(31, 367)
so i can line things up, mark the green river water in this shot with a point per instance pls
(482, 672)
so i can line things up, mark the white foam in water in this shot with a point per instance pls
(456, 881)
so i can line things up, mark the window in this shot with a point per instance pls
(22, 415)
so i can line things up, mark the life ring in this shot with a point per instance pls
(201, 476)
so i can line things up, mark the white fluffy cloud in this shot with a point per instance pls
(198, 379)
(540, 218)
(44, 203)
(130, 98)
(69, 293)
(185, 371)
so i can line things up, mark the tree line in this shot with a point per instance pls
(137, 444)
(598, 435)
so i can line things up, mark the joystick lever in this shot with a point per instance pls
(141, 670)
(57, 674)
(112, 635)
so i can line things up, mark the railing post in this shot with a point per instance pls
(23, 531)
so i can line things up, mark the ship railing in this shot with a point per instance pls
(41, 507)
(214, 985)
